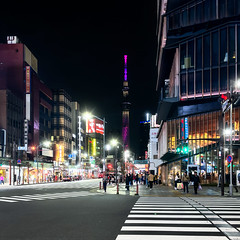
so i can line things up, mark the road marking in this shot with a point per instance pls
(169, 237)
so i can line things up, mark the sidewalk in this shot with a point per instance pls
(166, 191)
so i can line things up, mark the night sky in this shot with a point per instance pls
(80, 47)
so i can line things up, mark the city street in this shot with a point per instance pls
(70, 210)
(78, 210)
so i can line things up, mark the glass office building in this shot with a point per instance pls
(198, 60)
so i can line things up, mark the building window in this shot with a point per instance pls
(183, 84)
(199, 82)
(190, 83)
(222, 8)
(215, 80)
(190, 54)
(183, 56)
(231, 44)
(215, 49)
(199, 53)
(231, 72)
(223, 46)
(223, 78)
(206, 49)
(206, 81)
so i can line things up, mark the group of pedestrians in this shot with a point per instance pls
(186, 180)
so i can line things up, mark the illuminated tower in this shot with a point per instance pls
(125, 108)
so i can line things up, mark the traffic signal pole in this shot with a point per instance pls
(222, 152)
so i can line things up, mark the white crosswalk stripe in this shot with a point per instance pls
(182, 218)
(47, 196)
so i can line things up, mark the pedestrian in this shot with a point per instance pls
(160, 179)
(196, 182)
(2, 179)
(127, 181)
(185, 180)
(105, 179)
(234, 181)
(151, 179)
(136, 178)
(177, 178)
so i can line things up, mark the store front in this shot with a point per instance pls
(194, 141)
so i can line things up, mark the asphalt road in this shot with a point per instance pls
(62, 211)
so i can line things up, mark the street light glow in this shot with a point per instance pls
(87, 115)
(114, 142)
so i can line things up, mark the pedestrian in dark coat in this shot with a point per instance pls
(127, 181)
(196, 181)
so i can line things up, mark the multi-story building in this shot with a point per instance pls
(154, 162)
(62, 125)
(26, 102)
(198, 59)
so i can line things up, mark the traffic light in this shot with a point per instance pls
(185, 149)
(178, 149)
(33, 148)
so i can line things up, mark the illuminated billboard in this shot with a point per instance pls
(95, 126)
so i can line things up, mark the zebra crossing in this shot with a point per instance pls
(83, 184)
(182, 218)
(46, 196)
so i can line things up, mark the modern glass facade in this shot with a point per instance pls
(201, 11)
(200, 135)
(209, 62)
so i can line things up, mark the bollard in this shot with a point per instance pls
(136, 190)
(117, 188)
(100, 185)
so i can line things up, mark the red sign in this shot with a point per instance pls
(91, 128)
(28, 79)
(146, 154)
(99, 126)
(95, 126)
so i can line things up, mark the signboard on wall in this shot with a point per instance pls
(91, 126)
(28, 79)
(95, 126)
(99, 126)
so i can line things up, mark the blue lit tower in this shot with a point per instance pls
(125, 108)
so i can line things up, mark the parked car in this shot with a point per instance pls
(67, 178)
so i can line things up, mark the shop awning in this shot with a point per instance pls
(172, 157)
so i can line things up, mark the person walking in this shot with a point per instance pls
(127, 181)
(234, 181)
(185, 180)
(151, 179)
(105, 180)
(196, 182)
(177, 178)
(2, 179)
